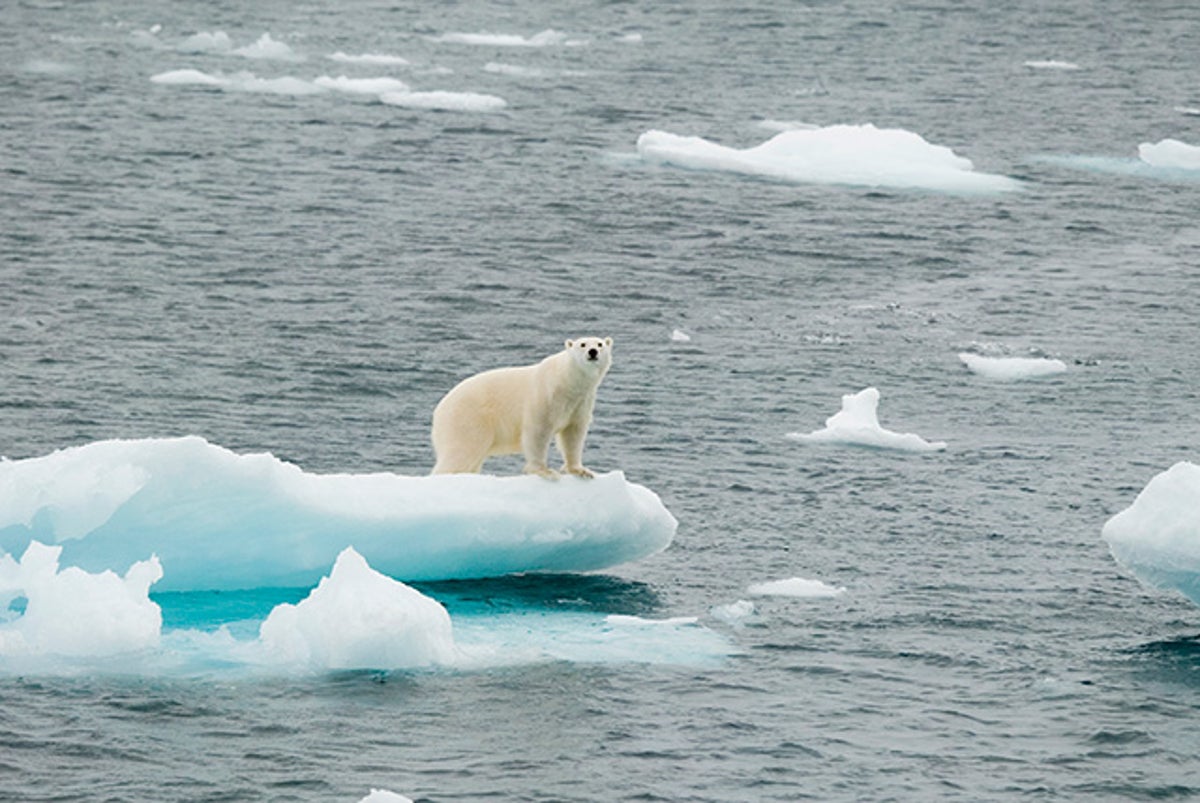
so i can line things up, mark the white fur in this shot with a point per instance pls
(520, 410)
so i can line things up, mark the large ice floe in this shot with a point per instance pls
(857, 424)
(857, 155)
(220, 520)
(1157, 538)
(1006, 369)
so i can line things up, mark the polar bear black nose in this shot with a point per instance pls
(591, 354)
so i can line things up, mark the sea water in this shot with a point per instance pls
(288, 229)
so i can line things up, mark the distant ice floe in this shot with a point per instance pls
(546, 38)
(680, 336)
(1052, 64)
(857, 424)
(513, 70)
(390, 91)
(786, 125)
(795, 587)
(1011, 368)
(384, 796)
(1170, 154)
(220, 43)
(856, 155)
(220, 520)
(374, 59)
(1190, 111)
(1157, 538)
(445, 101)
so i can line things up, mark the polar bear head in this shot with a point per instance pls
(591, 353)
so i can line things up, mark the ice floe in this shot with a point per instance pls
(385, 796)
(238, 82)
(1157, 538)
(1011, 368)
(374, 59)
(857, 424)
(445, 101)
(1052, 64)
(1170, 154)
(546, 38)
(795, 587)
(857, 155)
(217, 519)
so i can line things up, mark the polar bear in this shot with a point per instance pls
(519, 410)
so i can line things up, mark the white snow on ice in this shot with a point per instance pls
(856, 155)
(857, 424)
(1011, 368)
(1170, 154)
(795, 587)
(217, 519)
(1157, 538)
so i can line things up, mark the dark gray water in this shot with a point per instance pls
(306, 275)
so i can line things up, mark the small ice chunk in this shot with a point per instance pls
(384, 796)
(733, 613)
(445, 101)
(375, 59)
(543, 39)
(75, 613)
(680, 336)
(361, 86)
(1157, 538)
(1011, 368)
(795, 587)
(269, 49)
(1052, 64)
(857, 424)
(357, 618)
(1171, 154)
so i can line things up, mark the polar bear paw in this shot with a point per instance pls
(579, 471)
(543, 471)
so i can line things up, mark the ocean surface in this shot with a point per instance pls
(242, 253)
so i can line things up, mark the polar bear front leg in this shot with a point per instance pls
(535, 444)
(570, 443)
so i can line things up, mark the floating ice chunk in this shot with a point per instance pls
(362, 86)
(1052, 64)
(1190, 111)
(1157, 538)
(189, 78)
(375, 59)
(680, 336)
(857, 424)
(270, 49)
(1011, 368)
(858, 155)
(222, 520)
(795, 587)
(512, 70)
(631, 38)
(544, 39)
(74, 613)
(206, 42)
(1171, 154)
(734, 613)
(357, 618)
(786, 125)
(384, 796)
(445, 101)
(239, 82)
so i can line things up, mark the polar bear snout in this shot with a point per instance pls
(593, 354)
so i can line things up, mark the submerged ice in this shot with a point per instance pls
(857, 424)
(1157, 538)
(221, 520)
(857, 155)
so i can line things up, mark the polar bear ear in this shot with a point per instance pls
(608, 342)
(569, 343)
